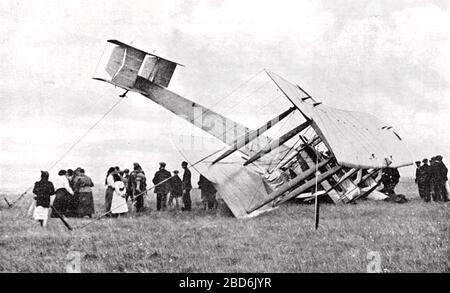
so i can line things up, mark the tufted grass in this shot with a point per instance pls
(411, 237)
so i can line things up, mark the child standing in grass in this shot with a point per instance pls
(43, 189)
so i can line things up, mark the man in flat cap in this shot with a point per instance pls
(162, 186)
(187, 186)
(176, 189)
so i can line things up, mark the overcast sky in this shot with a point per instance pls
(388, 58)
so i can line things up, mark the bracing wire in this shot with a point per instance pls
(10, 205)
(110, 110)
(71, 148)
(221, 100)
(206, 157)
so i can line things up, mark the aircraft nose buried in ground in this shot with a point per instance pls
(341, 160)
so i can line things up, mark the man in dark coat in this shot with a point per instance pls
(417, 170)
(439, 175)
(395, 176)
(176, 189)
(435, 178)
(390, 179)
(162, 186)
(137, 183)
(208, 193)
(432, 176)
(187, 186)
(423, 180)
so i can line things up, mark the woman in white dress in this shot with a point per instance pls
(119, 204)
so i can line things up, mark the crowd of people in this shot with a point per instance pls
(133, 187)
(73, 192)
(73, 189)
(432, 179)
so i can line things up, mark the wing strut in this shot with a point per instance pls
(245, 139)
(299, 189)
(277, 142)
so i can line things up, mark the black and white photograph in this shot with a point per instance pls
(230, 137)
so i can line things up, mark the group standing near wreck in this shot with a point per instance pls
(431, 179)
(73, 197)
(73, 190)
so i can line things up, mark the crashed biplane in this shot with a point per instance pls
(256, 173)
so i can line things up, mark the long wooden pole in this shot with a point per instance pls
(277, 142)
(313, 143)
(248, 137)
(299, 189)
(311, 183)
(61, 218)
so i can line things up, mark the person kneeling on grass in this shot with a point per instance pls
(43, 189)
(118, 204)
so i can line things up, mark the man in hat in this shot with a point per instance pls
(138, 186)
(162, 186)
(417, 170)
(423, 180)
(187, 186)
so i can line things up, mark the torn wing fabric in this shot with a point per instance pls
(356, 139)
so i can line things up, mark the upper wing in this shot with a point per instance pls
(356, 139)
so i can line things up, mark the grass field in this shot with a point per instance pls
(411, 237)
